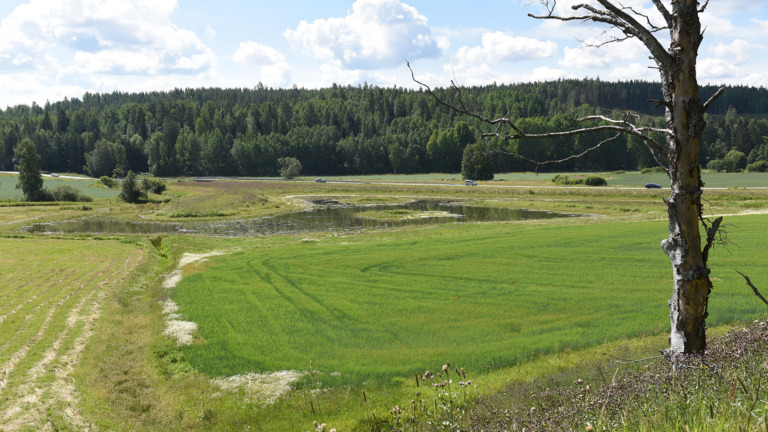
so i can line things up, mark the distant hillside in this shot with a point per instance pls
(352, 130)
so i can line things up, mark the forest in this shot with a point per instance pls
(364, 129)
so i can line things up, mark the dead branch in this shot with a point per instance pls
(714, 97)
(749, 283)
(621, 19)
(712, 232)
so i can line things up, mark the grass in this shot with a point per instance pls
(87, 186)
(488, 296)
(531, 295)
(52, 293)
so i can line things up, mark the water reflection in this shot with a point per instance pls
(331, 216)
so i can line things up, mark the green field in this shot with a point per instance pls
(381, 306)
(87, 186)
(357, 314)
(628, 179)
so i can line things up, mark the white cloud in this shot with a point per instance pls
(87, 40)
(501, 47)
(375, 34)
(254, 53)
(739, 50)
(273, 69)
(593, 55)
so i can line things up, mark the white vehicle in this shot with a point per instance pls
(470, 183)
(54, 175)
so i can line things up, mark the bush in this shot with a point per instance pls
(759, 166)
(130, 190)
(67, 193)
(715, 165)
(289, 167)
(566, 180)
(108, 181)
(153, 185)
(595, 181)
(656, 169)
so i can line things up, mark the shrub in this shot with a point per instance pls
(759, 166)
(289, 167)
(153, 185)
(67, 193)
(595, 181)
(715, 165)
(108, 181)
(566, 180)
(130, 190)
(655, 169)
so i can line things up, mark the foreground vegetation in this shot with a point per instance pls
(522, 307)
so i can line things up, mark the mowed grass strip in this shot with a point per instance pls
(378, 306)
(57, 287)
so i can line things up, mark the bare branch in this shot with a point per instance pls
(703, 7)
(712, 232)
(749, 283)
(462, 109)
(620, 19)
(714, 97)
(664, 12)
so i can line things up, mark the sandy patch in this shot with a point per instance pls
(175, 326)
(265, 388)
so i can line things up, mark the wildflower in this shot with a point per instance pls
(445, 368)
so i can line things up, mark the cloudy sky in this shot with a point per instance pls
(51, 49)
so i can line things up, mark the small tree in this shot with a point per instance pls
(289, 167)
(477, 163)
(131, 192)
(30, 179)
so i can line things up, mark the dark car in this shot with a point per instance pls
(319, 180)
(652, 186)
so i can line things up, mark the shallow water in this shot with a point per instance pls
(329, 216)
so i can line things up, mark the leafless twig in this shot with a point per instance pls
(749, 283)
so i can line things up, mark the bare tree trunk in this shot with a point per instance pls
(685, 117)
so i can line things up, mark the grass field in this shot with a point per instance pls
(487, 296)
(89, 187)
(53, 292)
(363, 311)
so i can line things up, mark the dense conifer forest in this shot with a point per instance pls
(357, 129)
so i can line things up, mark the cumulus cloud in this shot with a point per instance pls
(375, 34)
(591, 56)
(501, 47)
(739, 50)
(273, 69)
(79, 39)
(254, 53)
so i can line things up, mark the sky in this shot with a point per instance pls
(56, 49)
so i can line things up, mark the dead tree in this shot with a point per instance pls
(675, 148)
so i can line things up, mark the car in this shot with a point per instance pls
(470, 183)
(652, 186)
(54, 175)
(319, 180)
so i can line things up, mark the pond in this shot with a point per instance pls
(329, 216)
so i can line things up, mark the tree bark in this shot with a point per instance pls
(685, 117)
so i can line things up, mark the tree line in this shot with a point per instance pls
(354, 129)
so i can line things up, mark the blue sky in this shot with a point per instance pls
(51, 49)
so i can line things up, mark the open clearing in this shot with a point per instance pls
(294, 328)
